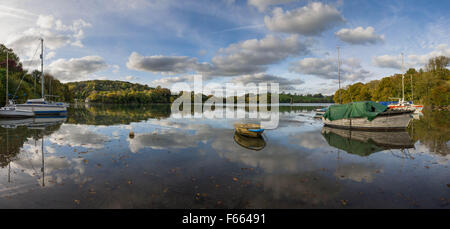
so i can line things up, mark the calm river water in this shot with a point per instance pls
(88, 160)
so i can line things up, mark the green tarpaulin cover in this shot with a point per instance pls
(367, 109)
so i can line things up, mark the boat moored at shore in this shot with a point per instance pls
(366, 116)
(43, 107)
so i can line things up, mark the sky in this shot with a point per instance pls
(290, 42)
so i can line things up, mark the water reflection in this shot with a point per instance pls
(89, 161)
(21, 139)
(250, 143)
(364, 143)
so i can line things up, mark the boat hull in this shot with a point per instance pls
(249, 130)
(11, 112)
(43, 109)
(394, 121)
(416, 108)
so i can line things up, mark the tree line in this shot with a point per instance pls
(23, 85)
(429, 86)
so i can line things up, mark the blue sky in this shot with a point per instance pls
(241, 41)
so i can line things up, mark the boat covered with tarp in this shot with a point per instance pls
(366, 115)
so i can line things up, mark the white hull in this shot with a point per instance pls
(11, 112)
(49, 109)
(402, 105)
(381, 122)
(41, 107)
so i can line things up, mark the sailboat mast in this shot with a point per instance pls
(339, 75)
(7, 70)
(42, 68)
(403, 82)
(412, 89)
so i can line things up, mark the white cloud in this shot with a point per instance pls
(246, 57)
(76, 68)
(129, 78)
(116, 68)
(45, 21)
(412, 60)
(253, 56)
(310, 20)
(202, 52)
(78, 135)
(161, 64)
(26, 43)
(359, 35)
(263, 4)
(26, 40)
(50, 55)
(6, 11)
(167, 81)
(388, 61)
(351, 69)
(421, 60)
(167, 138)
(357, 172)
(284, 83)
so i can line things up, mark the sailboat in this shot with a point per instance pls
(365, 115)
(9, 110)
(41, 106)
(402, 104)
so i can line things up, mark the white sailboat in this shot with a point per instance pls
(402, 104)
(42, 106)
(9, 110)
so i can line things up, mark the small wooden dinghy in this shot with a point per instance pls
(249, 130)
(250, 143)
